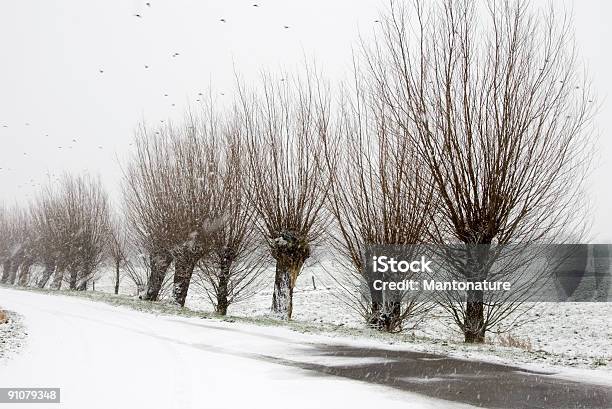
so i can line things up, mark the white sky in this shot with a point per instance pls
(51, 52)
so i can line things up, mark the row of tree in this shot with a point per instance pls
(63, 230)
(454, 128)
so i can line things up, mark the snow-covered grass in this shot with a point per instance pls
(12, 335)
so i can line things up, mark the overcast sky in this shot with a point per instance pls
(58, 111)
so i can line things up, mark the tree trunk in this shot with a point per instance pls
(24, 273)
(6, 270)
(116, 278)
(384, 314)
(376, 306)
(391, 319)
(290, 250)
(72, 282)
(85, 276)
(282, 298)
(46, 275)
(222, 290)
(477, 270)
(287, 271)
(58, 278)
(82, 285)
(183, 269)
(474, 328)
(13, 272)
(159, 262)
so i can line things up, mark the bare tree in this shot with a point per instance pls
(5, 240)
(169, 200)
(117, 248)
(498, 109)
(45, 214)
(231, 270)
(378, 198)
(81, 209)
(18, 248)
(149, 203)
(201, 209)
(284, 125)
(29, 253)
(5, 243)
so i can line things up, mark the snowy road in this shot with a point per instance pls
(103, 356)
(109, 357)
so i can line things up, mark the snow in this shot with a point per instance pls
(12, 335)
(104, 356)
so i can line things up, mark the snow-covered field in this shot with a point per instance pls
(567, 334)
(104, 356)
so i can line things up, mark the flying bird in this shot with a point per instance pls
(146, 67)
(255, 5)
(101, 71)
(175, 55)
(165, 95)
(148, 4)
(286, 27)
(223, 20)
(137, 15)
